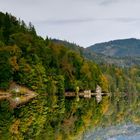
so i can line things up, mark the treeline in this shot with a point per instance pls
(123, 77)
(42, 65)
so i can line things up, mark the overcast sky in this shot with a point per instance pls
(84, 22)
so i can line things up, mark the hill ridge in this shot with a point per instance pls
(118, 48)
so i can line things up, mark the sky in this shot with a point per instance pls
(84, 22)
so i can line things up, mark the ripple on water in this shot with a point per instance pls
(125, 137)
(120, 132)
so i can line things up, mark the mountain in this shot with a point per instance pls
(124, 53)
(118, 48)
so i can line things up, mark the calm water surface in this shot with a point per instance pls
(120, 132)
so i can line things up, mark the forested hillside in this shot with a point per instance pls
(32, 61)
(124, 52)
(122, 73)
(118, 48)
(50, 68)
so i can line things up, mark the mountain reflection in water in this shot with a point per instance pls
(120, 132)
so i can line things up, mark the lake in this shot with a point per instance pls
(120, 132)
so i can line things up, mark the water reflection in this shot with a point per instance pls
(120, 132)
(125, 137)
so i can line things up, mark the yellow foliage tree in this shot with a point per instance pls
(104, 83)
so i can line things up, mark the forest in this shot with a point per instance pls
(48, 67)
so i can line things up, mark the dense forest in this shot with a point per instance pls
(44, 67)
(35, 62)
(47, 66)
(122, 53)
(122, 74)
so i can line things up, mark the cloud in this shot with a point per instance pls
(65, 21)
(122, 19)
(58, 22)
(107, 2)
(128, 19)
